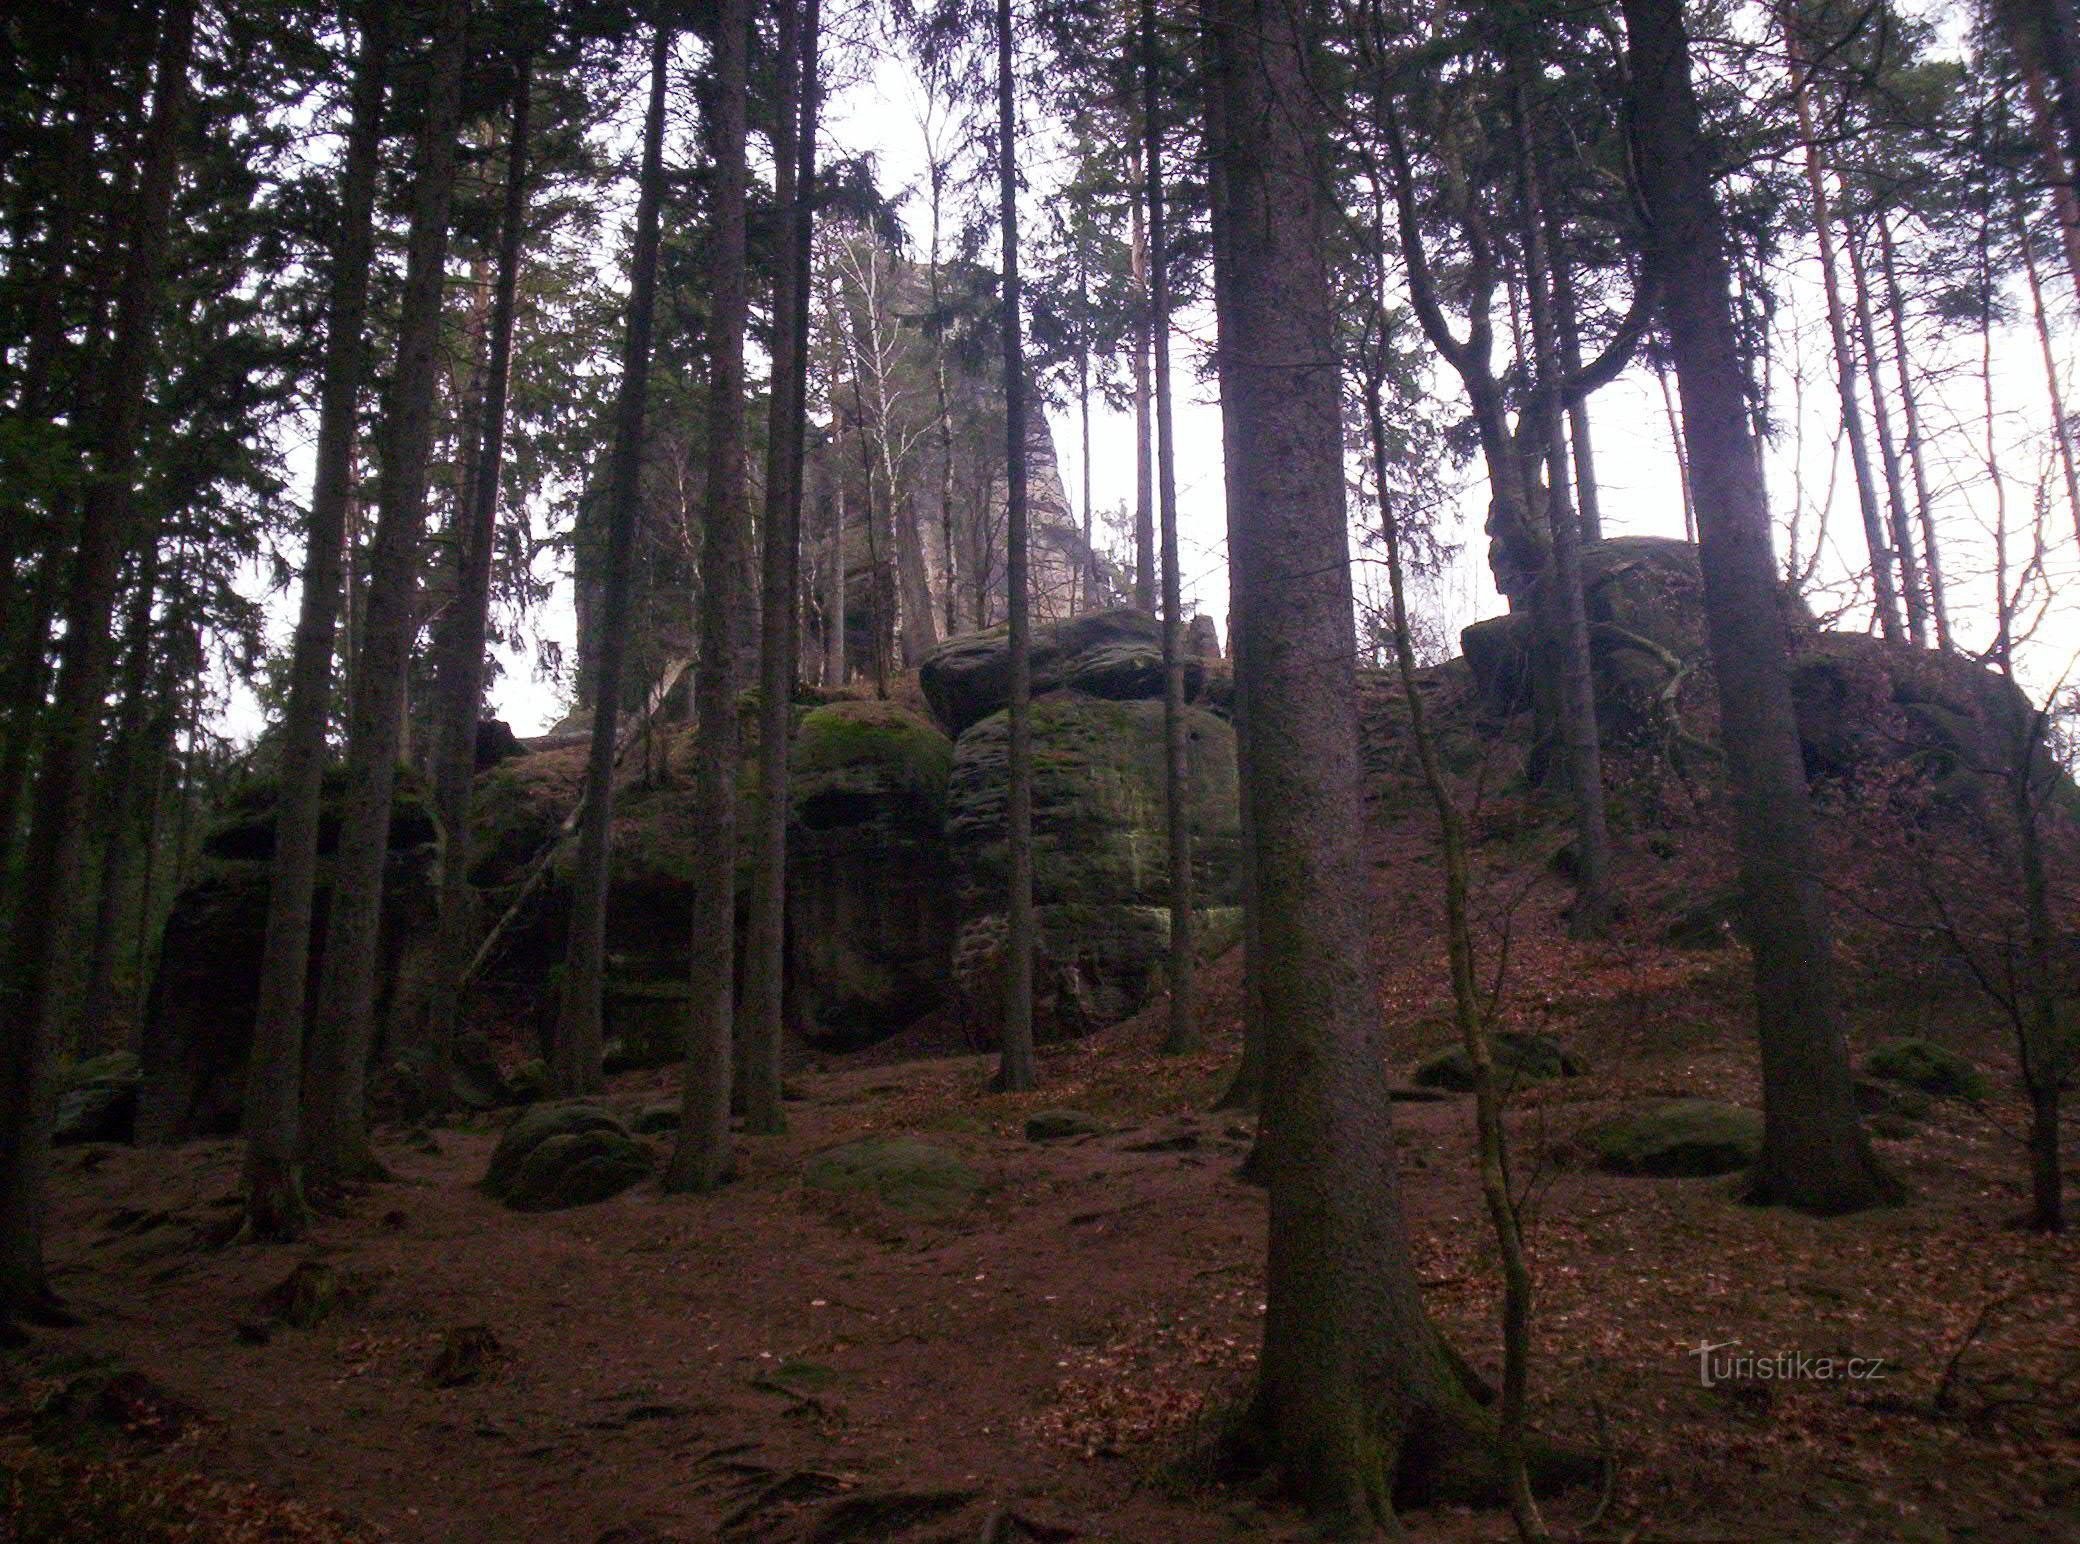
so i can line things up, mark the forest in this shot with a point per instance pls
(1039, 770)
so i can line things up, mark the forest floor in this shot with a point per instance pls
(776, 1363)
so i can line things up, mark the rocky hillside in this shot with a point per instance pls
(896, 861)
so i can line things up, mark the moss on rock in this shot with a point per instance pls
(1931, 1068)
(1683, 1138)
(1519, 1058)
(906, 1175)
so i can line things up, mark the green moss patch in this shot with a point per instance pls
(906, 1175)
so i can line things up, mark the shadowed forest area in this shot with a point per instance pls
(804, 771)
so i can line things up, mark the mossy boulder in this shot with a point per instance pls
(1100, 855)
(870, 933)
(1931, 1068)
(1519, 1059)
(564, 1155)
(1682, 1138)
(1116, 654)
(905, 1175)
(1061, 1125)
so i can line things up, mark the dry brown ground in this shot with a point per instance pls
(770, 1363)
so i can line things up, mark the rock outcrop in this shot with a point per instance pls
(1100, 854)
(1116, 654)
(870, 933)
(1862, 703)
(198, 1025)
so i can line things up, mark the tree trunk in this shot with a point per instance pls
(460, 687)
(1144, 490)
(1357, 1397)
(1588, 497)
(31, 1013)
(1815, 1155)
(702, 1160)
(1887, 601)
(2061, 430)
(336, 1137)
(1561, 606)
(920, 631)
(1182, 1035)
(579, 1037)
(124, 797)
(1503, 1215)
(1089, 567)
(1888, 452)
(1910, 412)
(1015, 1064)
(794, 155)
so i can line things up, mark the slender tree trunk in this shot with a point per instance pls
(1183, 1033)
(124, 794)
(794, 155)
(1015, 1064)
(1910, 412)
(274, 1204)
(460, 687)
(702, 1159)
(1144, 483)
(31, 1012)
(1815, 1155)
(1838, 331)
(1888, 452)
(1089, 574)
(1466, 1009)
(336, 1135)
(1246, 1084)
(834, 636)
(1357, 1398)
(2061, 429)
(1562, 607)
(579, 1036)
(1675, 434)
(944, 418)
(1588, 496)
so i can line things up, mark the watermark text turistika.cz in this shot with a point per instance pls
(1725, 1362)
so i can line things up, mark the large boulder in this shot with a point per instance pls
(1100, 855)
(1681, 1138)
(1864, 704)
(1644, 597)
(198, 1024)
(562, 1155)
(1116, 654)
(870, 933)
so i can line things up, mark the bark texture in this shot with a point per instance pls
(1015, 1066)
(1357, 1395)
(336, 1129)
(1815, 1153)
(794, 152)
(702, 1160)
